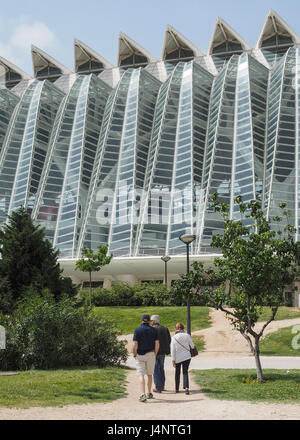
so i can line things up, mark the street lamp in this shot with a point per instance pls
(165, 260)
(187, 239)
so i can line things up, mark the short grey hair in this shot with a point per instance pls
(155, 318)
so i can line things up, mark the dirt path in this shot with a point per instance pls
(165, 406)
(222, 340)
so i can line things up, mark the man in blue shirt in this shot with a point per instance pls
(145, 349)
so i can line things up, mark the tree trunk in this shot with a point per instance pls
(256, 352)
(90, 273)
(248, 339)
(257, 361)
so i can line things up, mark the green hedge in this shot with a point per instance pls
(145, 294)
(45, 334)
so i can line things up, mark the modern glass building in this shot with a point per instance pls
(129, 155)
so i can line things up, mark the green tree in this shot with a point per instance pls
(193, 285)
(28, 262)
(257, 263)
(93, 262)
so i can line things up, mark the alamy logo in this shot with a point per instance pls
(296, 339)
(2, 338)
(130, 205)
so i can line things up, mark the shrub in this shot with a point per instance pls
(45, 334)
(118, 295)
(147, 294)
(152, 294)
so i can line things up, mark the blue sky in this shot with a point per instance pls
(53, 25)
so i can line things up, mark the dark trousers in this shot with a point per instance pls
(185, 368)
(159, 372)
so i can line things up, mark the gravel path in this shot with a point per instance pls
(165, 406)
(221, 340)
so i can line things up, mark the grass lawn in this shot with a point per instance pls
(62, 387)
(279, 386)
(199, 342)
(283, 313)
(127, 319)
(279, 343)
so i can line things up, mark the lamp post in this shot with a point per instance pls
(165, 260)
(187, 239)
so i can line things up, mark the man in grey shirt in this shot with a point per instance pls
(164, 338)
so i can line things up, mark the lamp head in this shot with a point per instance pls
(166, 258)
(187, 238)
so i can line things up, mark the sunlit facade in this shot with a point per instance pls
(129, 155)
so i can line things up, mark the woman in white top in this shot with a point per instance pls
(181, 356)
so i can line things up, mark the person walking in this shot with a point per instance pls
(164, 338)
(145, 349)
(181, 356)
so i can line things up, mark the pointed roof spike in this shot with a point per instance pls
(6, 68)
(42, 60)
(275, 25)
(84, 54)
(10, 66)
(223, 33)
(129, 49)
(174, 40)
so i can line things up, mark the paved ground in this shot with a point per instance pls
(241, 362)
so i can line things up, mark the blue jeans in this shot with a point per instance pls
(185, 368)
(159, 372)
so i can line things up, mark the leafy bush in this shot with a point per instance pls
(117, 295)
(147, 294)
(45, 334)
(152, 294)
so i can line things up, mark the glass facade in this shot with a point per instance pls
(119, 171)
(129, 156)
(25, 146)
(281, 150)
(87, 120)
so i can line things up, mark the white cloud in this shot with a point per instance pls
(36, 33)
(17, 35)
(7, 52)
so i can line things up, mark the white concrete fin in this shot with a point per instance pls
(258, 55)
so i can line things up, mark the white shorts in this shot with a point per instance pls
(145, 363)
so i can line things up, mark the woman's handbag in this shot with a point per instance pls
(193, 351)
